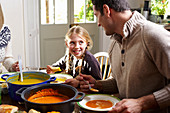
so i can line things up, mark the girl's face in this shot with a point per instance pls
(76, 45)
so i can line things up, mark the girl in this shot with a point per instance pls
(78, 59)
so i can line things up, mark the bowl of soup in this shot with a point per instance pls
(98, 102)
(30, 78)
(50, 97)
(61, 77)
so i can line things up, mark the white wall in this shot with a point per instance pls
(104, 41)
(136, 3)
(13, 17)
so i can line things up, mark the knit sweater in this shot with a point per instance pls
(140, 62)
(6, 57)
(90, 66)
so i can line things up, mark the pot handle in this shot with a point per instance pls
(80, 98)
(51, 79)
(5, 76)
(19, 91)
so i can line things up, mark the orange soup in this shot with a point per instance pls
(100, 104)
(49, 99)
(48, 96)
(28, 81)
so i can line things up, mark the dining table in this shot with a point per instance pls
(6, 99)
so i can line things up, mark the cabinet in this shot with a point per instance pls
(136, 4)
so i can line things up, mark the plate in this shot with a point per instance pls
(90, 97)
(9, 73)
(60, 77)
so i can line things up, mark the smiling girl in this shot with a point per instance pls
(78, 59)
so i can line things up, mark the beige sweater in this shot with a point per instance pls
(140, 62)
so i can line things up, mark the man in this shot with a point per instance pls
(140, 59)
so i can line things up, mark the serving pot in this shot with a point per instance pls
(12, 88)
(63, 107)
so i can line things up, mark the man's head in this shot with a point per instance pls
(117, 5)
(111, 15)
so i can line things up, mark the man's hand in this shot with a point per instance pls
(83, 85)
(127, 106)
(135, 105)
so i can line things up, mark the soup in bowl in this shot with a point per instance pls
(30, 78)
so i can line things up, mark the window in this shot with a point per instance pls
(160, 7)
(83, 11)
(168, 11)
(55, 12)
(60, 11)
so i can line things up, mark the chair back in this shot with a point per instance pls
(103, 59)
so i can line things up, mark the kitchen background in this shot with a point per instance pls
(36, 42)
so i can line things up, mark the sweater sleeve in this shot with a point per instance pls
(163, 96)
(8, 61)
(95, 70)
(60, 63)
(158, 47)
(109, 85)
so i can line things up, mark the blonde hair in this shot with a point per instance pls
(70, 63)
(82, 33)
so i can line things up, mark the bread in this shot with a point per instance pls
(33, 111)
(53, 112)
(55, 69)
(4, 108)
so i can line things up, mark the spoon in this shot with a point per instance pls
(90, 88)
(20, 68)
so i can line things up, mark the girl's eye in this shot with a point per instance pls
(81, 42)
(72, 43)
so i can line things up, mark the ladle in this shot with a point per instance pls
(20, 68)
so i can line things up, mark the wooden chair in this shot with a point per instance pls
(103, 59)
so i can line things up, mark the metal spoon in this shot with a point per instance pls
(90, 88)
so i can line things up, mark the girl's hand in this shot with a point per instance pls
(49, 70)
